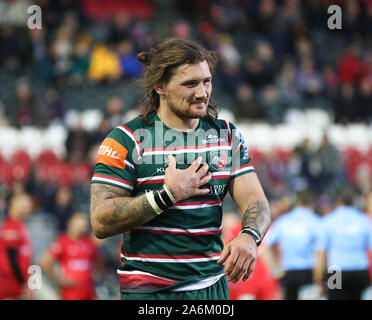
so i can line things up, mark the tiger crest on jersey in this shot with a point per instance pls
(218, 160)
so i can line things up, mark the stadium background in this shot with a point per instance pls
(300, 93)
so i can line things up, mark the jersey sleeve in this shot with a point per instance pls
(114, 164)
(11, 237)
(240, 159)
(56, 249)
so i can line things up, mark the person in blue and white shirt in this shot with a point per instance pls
(291, 243)
(344, 243)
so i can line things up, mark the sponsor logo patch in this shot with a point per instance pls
(112, 153)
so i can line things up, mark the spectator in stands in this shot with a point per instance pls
(78, 141)
(26, 110)
(306, 153)
(114, 111)
(260, 66)
(351, 20)
(98, 135)
(332, 81)
(364, 101)
(227, 51)
(265, 55)
(350, 64)
(273, 108)
(80, 60)
(295, 234)
(296, 171)
(130, 67)
(345, 241)
(290, 15)
(15, 48)
(15, 249)
(77, 254)
(104, 64)
(42, 188)
(266, 17)
(62, 207)
(309, 81)
(272, 172)
(330, 165)
(344, 104)
(231, 75)
(40, 54)
(61, 50)
(55, 106)
(120, 28)
(182, 29)
(289, 94)
(3, 119)
(304, 50)
(245, 105)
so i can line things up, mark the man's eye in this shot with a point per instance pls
(190, 84)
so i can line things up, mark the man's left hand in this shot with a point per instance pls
(239, 257)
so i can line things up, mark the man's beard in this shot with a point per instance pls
(189, 113)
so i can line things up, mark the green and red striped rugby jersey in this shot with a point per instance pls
(178, 249)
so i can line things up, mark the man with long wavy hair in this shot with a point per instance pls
(160, 180)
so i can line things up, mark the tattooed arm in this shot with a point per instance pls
(114, 211)
(239, 256)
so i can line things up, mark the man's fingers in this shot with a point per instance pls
(172, 163)
(224, 254)
(206, 179)
(196, 163)
(230, 262)
(250, 270)
(242, 271)
(201, 191)
(239, 264)
(203, 170)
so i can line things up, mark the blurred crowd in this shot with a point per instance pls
(274, 56)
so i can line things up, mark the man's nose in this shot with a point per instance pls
(201, 91)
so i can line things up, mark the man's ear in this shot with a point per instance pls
(159, 89)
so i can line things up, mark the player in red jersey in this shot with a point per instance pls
(76, 252)
(260, 285)
(15, 249)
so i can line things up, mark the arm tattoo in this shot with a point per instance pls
(257, 216)
(114, 211)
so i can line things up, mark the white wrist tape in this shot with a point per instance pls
(151, 200)
(169, 193)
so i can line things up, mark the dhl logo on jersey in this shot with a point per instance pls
(112, 153)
